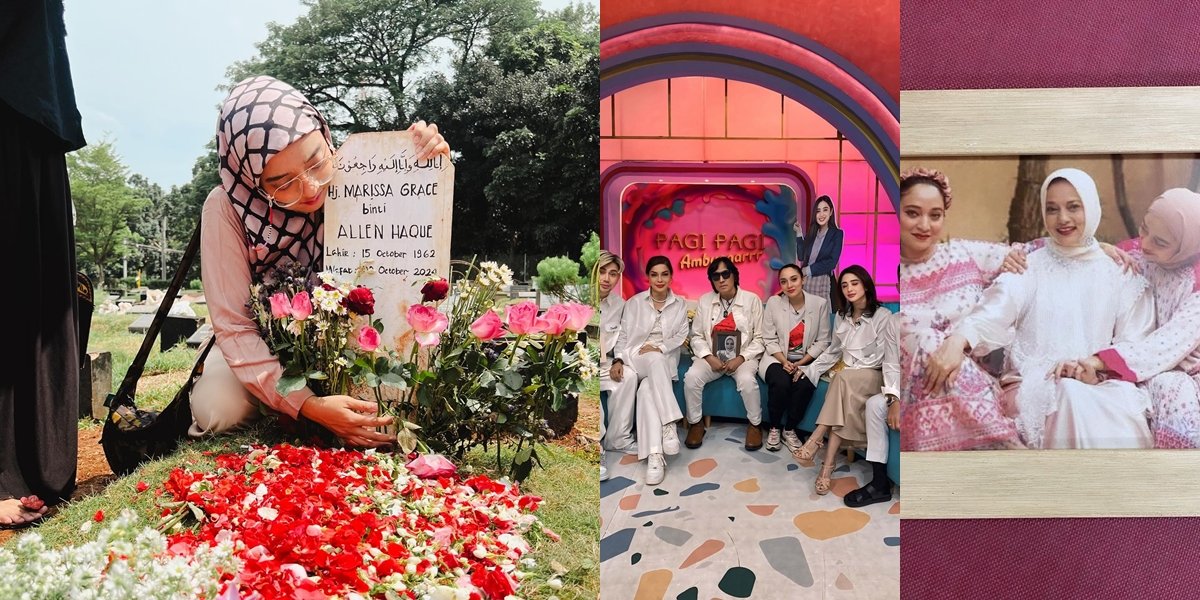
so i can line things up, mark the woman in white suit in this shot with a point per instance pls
(795, 332)
(653, 328)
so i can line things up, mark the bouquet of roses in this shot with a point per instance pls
(495, 371)
(321, 330)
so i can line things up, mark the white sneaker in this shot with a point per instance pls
(773, 440)
(603, 466)
(670, 439)
(792, 441)
(656, 469)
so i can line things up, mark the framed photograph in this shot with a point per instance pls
(1125, 153)
(727, 345)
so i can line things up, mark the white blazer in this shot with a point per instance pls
(747, 312)
(611, 309)
(639, 319)
(777, 324)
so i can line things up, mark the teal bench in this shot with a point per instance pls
(721, 399)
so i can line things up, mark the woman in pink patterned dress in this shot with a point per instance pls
(939, 284)
(1167, 361)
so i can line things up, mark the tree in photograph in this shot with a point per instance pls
(1025, 212)
(1121, 197)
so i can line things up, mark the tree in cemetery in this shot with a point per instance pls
(522, 118)
(105, 205)
(358, 61)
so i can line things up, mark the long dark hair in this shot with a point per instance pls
(728, 262)
(812, 223)
(843, 306)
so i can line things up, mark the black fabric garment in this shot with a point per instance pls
(35, 77)
(39, 387)
(879, 475)
(786, 397)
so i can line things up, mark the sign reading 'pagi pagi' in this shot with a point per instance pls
(392, 213)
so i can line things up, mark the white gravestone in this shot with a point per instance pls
(393, 210)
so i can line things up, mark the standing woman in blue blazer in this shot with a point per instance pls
(821, 250)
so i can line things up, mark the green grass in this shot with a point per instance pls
(110, 333)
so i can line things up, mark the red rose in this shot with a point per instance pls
(360, 300)
(493, 582)
(99, 516)
(142, 486)
(434, 290)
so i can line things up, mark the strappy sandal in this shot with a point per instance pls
(824, 478)
(809, 449)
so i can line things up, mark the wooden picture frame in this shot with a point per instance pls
(1050, 483)
(727, 345)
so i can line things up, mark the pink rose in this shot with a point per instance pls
(301, 306)
(554, 322)
(578, 316)
(431, 466)
(280, 305)
(428, 323)
(488, 326)
(521, 317)
(368, 338)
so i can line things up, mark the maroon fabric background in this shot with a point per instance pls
(986, 44)
(1095, 559)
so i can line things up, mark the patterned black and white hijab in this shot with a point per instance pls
(261, 117)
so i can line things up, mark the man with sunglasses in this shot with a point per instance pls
(728, 308)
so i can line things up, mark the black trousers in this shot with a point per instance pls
(785, 397)
(39, 387)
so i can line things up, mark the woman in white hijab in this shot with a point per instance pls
(1167, 361)
(1072, 301)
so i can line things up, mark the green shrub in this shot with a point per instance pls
(590, 253)
(556, 274)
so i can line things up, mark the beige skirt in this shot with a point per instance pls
(845, 405)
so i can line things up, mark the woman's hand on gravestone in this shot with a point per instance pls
(428, 141)
(352, 420)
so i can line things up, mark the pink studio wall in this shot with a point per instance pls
(691, 120)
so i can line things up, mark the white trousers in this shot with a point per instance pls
(700, 374)
(622, 403)
(219, 401)
(656, 405)
(877, 429)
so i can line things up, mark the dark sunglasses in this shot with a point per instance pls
(721, 275)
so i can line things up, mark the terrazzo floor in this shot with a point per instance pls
(727, 523)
